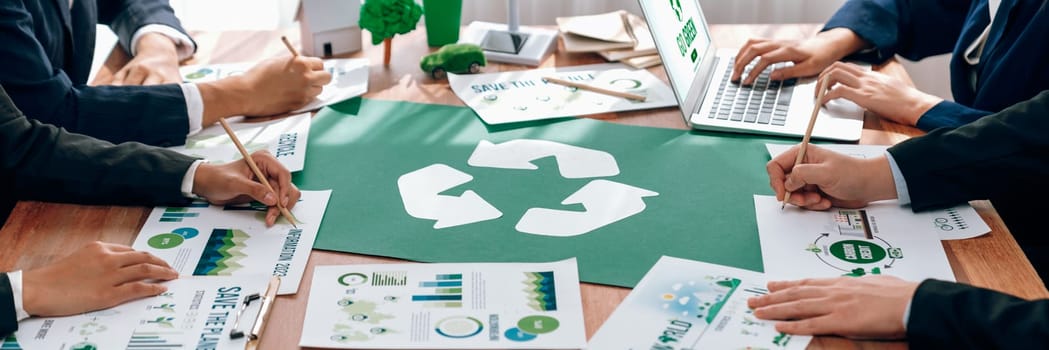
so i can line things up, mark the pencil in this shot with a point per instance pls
(255, 168)
(821, 89)
(592, 88)
(294, 52)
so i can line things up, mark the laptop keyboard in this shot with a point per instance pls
(765, 102)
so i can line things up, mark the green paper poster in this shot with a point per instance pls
(703, 208)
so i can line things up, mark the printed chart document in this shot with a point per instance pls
(684, 304)
(284, 138)
(233, 240)
(194, 313)
(349, 78)
(509, 97)
(959, 222)
(881, 239)
(445, 306)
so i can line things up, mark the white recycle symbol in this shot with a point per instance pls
(606, 202)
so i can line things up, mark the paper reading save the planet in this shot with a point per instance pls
(445, 306)
(517, 96)
(194, 313)
(284, 138)
(880, 239)
(683, 304)
(233, 240)
(349, 78)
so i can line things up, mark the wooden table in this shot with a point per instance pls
(37, 233)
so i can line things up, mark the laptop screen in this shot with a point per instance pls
(681, 33)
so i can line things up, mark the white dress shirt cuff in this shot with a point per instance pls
(194, 107)
(183, 44)
(907, 314)
(16, 292)
(187, 180)
(901, 184)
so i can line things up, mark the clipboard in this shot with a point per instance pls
(254, 334)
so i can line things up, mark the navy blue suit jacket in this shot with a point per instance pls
(1014, 66)
(47, 49)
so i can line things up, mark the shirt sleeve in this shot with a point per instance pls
(183, 44)
(947, 114)
(187, 180)
(194, 107)
(16, 292)
(901, 183)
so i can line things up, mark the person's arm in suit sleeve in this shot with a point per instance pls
(947, 315)
(155, 115)
(1003, 153)
(914, 29)
(57, 165)
(130, 19)
(8, 316)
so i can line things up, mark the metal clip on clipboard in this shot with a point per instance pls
(260, 319)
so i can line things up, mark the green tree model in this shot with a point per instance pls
(387, 18)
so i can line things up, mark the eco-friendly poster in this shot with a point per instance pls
(194, 313)
(284, 138)
(445, 306)
(349, 78)
(233, 240)
(434, 183)
(683, 305)
(959, 222)
(517, 96)
(880, 239)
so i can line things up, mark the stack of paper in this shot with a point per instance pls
(616, 36)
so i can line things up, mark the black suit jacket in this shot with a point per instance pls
(955, 316)
(1003, 157)
(40, 161)
(47, 49)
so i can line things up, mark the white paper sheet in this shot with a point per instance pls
(203, 240)
(349, 78)
(960, 222)
(683, 304)
(882, 238)
(445, 306)
(509, 97)
(194, 313)
(284, 138)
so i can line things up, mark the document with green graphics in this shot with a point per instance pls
(684, 304)
(445, 306)
(194, 313)
(233, 240)
(284, 138)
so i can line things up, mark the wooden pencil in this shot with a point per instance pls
(821, 89)
(255, 168)
(592, 88)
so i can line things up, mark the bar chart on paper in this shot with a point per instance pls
(447, 291)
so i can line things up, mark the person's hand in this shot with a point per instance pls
(825, 179)
(866, 307)
(274, 86)
(96, 276)
(881, 94)
(234, 182)
(810, 56)
(155, 62)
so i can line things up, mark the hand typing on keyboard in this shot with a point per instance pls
(879, 93)
(809, 56)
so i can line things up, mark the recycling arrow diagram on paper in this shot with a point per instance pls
(605, 202)
(573, 162)
(420, 192)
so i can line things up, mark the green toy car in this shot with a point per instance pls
(454, 58)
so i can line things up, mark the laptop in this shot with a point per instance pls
(699, 75)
